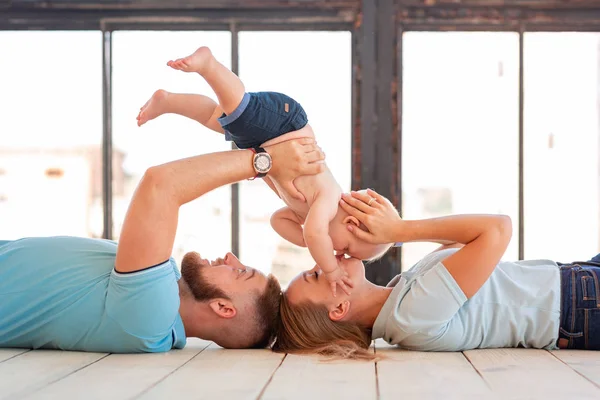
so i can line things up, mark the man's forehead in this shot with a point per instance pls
(260, 279)
(261, 275)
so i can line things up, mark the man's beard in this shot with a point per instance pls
(192, 273)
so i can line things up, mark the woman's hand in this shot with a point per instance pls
(294, 158)
(376, 212)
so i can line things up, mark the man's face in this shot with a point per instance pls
(224, 278)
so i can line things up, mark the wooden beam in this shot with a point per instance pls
(183, 4)
(375, 135)
(179, 19)
(508, 17)
(531, 4)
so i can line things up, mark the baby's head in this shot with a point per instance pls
(345, 242)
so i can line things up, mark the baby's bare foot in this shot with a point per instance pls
(199, 61)
(155, 107)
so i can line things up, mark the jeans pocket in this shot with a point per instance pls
(587, 288)
(587, 278)
(570, 335)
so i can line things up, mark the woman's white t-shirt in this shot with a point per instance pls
(518, 306)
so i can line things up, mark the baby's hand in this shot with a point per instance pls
(338, 277)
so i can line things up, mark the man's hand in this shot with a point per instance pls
(295, 158)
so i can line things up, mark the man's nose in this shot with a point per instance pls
(233, 261)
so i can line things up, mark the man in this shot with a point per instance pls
(95, 295)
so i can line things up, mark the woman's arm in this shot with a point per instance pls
(485, 237)
(449, 246)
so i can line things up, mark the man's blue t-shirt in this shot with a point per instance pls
(64, 293)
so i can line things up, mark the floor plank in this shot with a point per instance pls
(33, 370)
(6, 354)
(219, 374)
(215, 373)
(309, 377)
(529, 373)
(587, 363)
(425, 375)
(121, 376)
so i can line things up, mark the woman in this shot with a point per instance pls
(459, 297)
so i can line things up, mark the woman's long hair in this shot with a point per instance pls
(306, 328)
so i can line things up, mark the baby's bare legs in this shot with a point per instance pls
(194, 106)
(227, 86)
(303, 132)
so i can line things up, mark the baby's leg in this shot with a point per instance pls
(194, 106)
(227, 86)
(306, 131)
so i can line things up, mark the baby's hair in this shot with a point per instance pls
(381, 254)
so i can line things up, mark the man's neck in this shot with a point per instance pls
(192, 314)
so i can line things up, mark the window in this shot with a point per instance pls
(52, 121)
(562, 147)
(460, 128)
(139, 69)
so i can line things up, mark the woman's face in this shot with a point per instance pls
(311, 286)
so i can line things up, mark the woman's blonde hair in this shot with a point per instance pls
(306, 328)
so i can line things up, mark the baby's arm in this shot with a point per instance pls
(288, 225)
(316, 236)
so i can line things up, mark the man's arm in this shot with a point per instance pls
(150, 224)
(287, 224)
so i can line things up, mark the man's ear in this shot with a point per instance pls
(223, 308)
(340, 311)
(351, 220)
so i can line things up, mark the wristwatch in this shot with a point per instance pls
(261, 161)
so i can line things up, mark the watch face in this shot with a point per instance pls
(262, 163)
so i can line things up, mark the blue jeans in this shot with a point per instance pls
(580, 305)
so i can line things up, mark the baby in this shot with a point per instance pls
(256, 120)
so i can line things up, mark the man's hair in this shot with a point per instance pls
(255, 325)
(267, 313)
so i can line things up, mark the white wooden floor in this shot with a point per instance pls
(204, 371)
